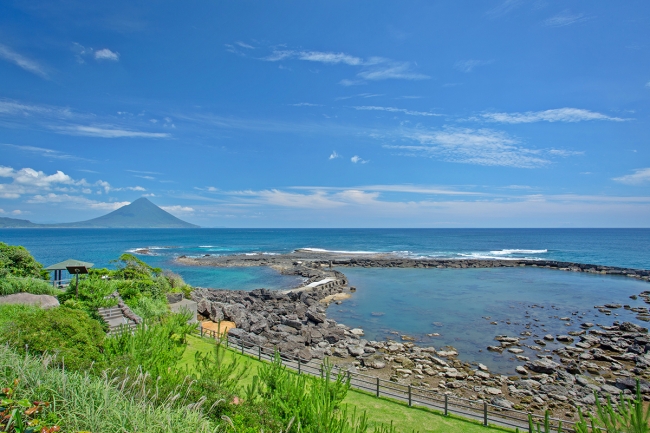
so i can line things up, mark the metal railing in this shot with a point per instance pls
(446, 403)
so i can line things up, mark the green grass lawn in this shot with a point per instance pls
(379, 410)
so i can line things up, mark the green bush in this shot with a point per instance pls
(11, 285)
(18, 262)
(309, 404)
(83, 402)
(71, 336)
(148, 308)
(155, 346)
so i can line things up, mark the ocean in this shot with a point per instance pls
(467, 307)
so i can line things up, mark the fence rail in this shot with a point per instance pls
(446, 403)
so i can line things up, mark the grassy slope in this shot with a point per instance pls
(379, 410)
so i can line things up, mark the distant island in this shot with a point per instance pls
(142, 213)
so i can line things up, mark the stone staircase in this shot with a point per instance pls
(115, 318)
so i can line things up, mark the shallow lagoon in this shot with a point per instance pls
(455, 302)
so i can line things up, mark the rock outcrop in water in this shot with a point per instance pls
(604, 359)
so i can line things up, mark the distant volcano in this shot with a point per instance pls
(141, 214)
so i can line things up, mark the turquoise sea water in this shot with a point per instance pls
(461, 304)
(415, 302)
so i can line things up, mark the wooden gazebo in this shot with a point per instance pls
(58, 269)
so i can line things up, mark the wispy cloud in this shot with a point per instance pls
(77, 201)
(359, 95)
(48, 153)
(396, 110)
(640, 176)
(106, 54)
(64, 120)
(358, 160)
(334, 155)
(468, 146)
(565, 18)
(245, 45)
(29, 65)
(372, 68)
(504, 8)
(469, 65)
(555, 115)
(177, 209)
(306, 104)
(315, 56)
(398, 188)
(108, 132)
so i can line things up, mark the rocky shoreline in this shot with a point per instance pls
(604, 359)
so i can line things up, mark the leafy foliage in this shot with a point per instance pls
(71, 336)
(11, 285)
(16, 261)
(86, 402)
(20, 416)
(309, 404)
(155, 347)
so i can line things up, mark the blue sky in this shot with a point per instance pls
(328, 114)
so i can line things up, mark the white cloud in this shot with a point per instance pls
(245, 45)
(315, 56)
(392, 70)
(79, 201)
(49, 153)
(565, 18)
(30, 181)
(362, 206)
(469, 65)
(109, 132)
(397, 110)
(177, 209)
(357, 159)
(29, 65)
(399, 188)
(106, 54)
(640, 176)
(564, 152)
(306, 104)
(555, 115)
(375, 68)
(334, 155)
(480, 147)
(647, 84)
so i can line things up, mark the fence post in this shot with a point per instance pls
(377, 387)
(485, 419)
(299, 365)
(201, 327)
(241, 343)
(259, 352)
(446, 404)
(410, 400)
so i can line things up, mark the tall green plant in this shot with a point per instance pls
(547, 424)
(155, 346)
(16, 261)
(314, 404)
(10, 285)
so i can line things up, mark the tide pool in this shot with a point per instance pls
(460, 305)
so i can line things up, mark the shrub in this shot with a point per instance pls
(82, 402)
(11, 285)
(71, 336)
(154, 346)
(17, 261)
(309, 404)
(148, 308)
